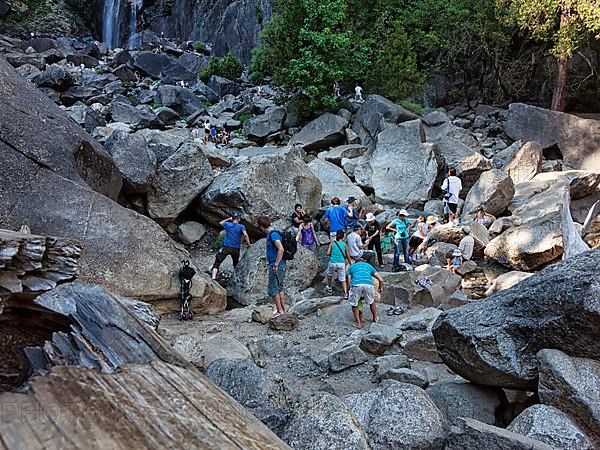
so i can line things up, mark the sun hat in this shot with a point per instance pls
(403, 212)
(456, 252)
(466, 229)
(370, 217)
(351, 199)
(431, 220)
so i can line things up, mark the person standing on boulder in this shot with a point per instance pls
(373, 230)
(338, 255)
(234, 231)
(362, 277)
(276, 287)
(451, 186)
(353, 214)
(401, 227)
(335, 217)
(358, 93)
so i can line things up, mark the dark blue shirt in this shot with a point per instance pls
(337, 218)
(233, 234)
(272, 250)
(352, 220)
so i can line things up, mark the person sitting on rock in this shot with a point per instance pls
(234, 231)
(225, 137)
(275, 250)
(358, 93)
(467, 244)
(454, 260)
(307, 236)
(335, 217)
(297, 217)
(338, 255)
(482, 217)
(356, 246)
(362, 278)
(418, 236)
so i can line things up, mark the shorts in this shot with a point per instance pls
(415, 241)
(364, 291)
(453, 207)
(340, 268)
(222, 254)
(276, 281)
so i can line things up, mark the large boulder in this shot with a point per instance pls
(335, 183)
(399, 416)
(506, 280)
(136, 161)
(136, 117)
(54, 77)
(259, 128)
(494, 191)
(178, 98)
(222, 86)
(179, 180)
(494, 341)
(552, 426)
(249, 284)
(152, 64)
(572, 384)
(525, 163)
(402, 169)
(263, 186)
(34, 126)
(320, 134)
(578, 139)
(374, 115)
(324, 422)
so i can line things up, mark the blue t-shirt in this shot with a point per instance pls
(233, 234)
(401, 226)
(361, 273)
(337, 218)
(272, 250)
(338, 252)
(352, 221)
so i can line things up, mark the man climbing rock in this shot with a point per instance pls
(234, 231)
(275, 250)
(362, 277)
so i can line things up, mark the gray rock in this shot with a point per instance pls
(345, 357)
(421, 321)
(284, 322)
(190, 347)
(223, 86)
(572, 385)
(89, 118)
(311, 305)
(191, 232)
(266, 347)
(180, 99)
(494, 342)
(166, 115)
(135, 160)
(405, 375)
(401, 287)
(383, 364)
(55, 77)
(77, 93)
(229, 103)
(379, 338)
(152, 64)
(259, 128)
(525, 163)
(179, 180)
(336, 154)
(398, 416)
(494, 191)
(222, 347)
(577, 138)
(470, 434)
(506, 280)
(323, 132)
(324, 422)
(420, 345)
(334, 182)
(504, 156)
(262, 314)
(552, 426)
(136, 117)
(460, 399)
(147, 313)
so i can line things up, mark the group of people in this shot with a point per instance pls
(211, 134)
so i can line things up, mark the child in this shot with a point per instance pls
(307, 235)
(338, 255)
(456, 262)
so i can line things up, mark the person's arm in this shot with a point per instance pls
(350, 211)
(330, 248)
(229, 219)
(246, 238)
(380, 279)
(297, 220)
(374, 235)
(279, 257)
(391, 226)
(489, 215)
(312, 228)
(299, 234)
(348, 254)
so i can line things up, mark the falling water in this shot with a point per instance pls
(111, 22)
(134, 40)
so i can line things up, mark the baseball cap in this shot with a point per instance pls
(236, 215)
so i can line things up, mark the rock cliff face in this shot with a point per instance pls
(226, 25)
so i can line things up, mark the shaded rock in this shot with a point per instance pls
(324, 422)
(348, 356)
(180, 99)
(262, 314)
(146, 312)
(506, 280)
(378, 339)
(336, 154)
(572, 385)
(191, 232)
(152, 64)
(494, 341)
(493, 191)
(179, 179)
(334, 182)
(577, 139)
(55, 77)
(259, 128)
(223, 86)
(420, 345)
(284, 322)
(504, 156)
(457, 399)
(398, 416)
(404, 375)
(265, 347)
(166, 115)
(134, 158)
(311, 305)
(136, 117)
(89, 118)
(467, 267)
(223, 347)
(470, 434)
(386, 363)
(525, 163)
(552, 426)
(325, 131)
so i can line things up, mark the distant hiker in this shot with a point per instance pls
(225, 137)
(402, 227)
(307, 235)
(182, 83)
(336, 89)
(353, 214)
(275, 250)
(482, 217)
(25, 229)
(358, 93)
(467, 244)
(213, 134)
(418, 236)
(362, 277)
(356, 246)
(206, 131)
(338, 256)
(455, 261)
(373, 230)
(335, 217)
(451, 187)
(297, 216)
(234, 231)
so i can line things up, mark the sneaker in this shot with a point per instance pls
(345, 297)
(328, 290)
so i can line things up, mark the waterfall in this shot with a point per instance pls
(111, 23)
(135, 38)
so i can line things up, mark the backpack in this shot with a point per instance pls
(289, 243)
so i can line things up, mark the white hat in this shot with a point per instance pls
(456, 252)
(370, 217)
(403, 212)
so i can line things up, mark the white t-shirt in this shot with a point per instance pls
(358, 90)
(454, 186)
(466, 246)
(354, 243)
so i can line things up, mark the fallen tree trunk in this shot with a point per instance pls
(573, 244)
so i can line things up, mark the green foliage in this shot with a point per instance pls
(156, 105)
(83, 9)
(228, 67)
(414, 107)
(244, 117)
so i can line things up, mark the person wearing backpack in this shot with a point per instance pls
(338, 256)
(276, 263)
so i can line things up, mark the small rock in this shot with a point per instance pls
(262, 314)
(191, 232)
(379, 338)
(405, 375)
(345, 357)
(285, 322)
(388, 362)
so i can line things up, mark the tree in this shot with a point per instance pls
(563, 24)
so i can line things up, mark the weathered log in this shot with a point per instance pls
(573, 244)
(591, 215)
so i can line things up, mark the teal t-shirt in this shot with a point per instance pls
(361, 273)
(400, 228)
(338, 252)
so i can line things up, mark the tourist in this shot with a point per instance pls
(482, 217)
(402, 227)
(335, 217)
(336, 89)
(356, 246)
(234, 231)
(206, 131)
(213, 134)
(307, 236)
(353, 214)
(225, 137)
(358, 93)
(297, 217)
(373, 230)
(432, 222)
(454, 261)
(338, 255)
(362, 277)
(451, 187)
(25, 229)
(467, 244)
(276, 287)
(418, 236)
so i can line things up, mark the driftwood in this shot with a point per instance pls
(573, 244)
(591, 215)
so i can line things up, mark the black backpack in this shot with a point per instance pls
(289, 243)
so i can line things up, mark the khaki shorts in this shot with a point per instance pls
(364, 291)
(340, 268)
